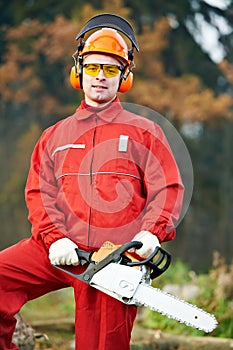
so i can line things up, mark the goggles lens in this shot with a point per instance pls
(93, 69)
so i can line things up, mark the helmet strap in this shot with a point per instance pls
(131, 54)
(127, 68)
(81, 45)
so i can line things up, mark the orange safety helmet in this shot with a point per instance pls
(110, 42)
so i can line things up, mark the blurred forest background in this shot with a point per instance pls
(175, 75)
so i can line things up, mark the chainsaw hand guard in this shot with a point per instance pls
(158, 262)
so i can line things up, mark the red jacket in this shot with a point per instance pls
(103, 175)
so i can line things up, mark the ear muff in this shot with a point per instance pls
(76, 79)
(77, 70)
(76, 76)
(126, 81)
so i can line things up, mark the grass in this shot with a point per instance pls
(47, 314)
(55, 305)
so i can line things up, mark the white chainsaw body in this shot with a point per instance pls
(118, 281)
(130, 283)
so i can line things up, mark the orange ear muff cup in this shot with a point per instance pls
(127, 83)
(75, 78)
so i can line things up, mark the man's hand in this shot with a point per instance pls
(62, 252)
(149, 241)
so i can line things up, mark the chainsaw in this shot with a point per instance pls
(115, 271)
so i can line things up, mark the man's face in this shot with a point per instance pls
(100, 90)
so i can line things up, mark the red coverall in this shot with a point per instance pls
(95, 176)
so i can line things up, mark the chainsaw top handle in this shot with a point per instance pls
(158, 262)
(86, 257)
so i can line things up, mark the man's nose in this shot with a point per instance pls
(101, 75)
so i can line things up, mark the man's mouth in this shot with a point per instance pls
(99, 87)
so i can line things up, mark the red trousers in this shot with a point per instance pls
(101, 322)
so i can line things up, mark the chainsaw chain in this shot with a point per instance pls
(140, 303)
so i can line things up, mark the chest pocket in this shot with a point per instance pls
(67, 159)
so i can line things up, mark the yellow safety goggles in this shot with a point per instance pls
(110, 70)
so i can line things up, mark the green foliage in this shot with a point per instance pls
(177, 272)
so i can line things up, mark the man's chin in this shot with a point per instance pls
(100, 100)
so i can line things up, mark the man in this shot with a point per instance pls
(103, 174)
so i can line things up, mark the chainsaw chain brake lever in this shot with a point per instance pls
(84, 257)
(158, 262)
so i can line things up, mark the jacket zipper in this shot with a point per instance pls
(91, 177)
(92, 156)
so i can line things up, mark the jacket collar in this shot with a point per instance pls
(108, 113)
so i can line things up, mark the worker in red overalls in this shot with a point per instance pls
(101, 174)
